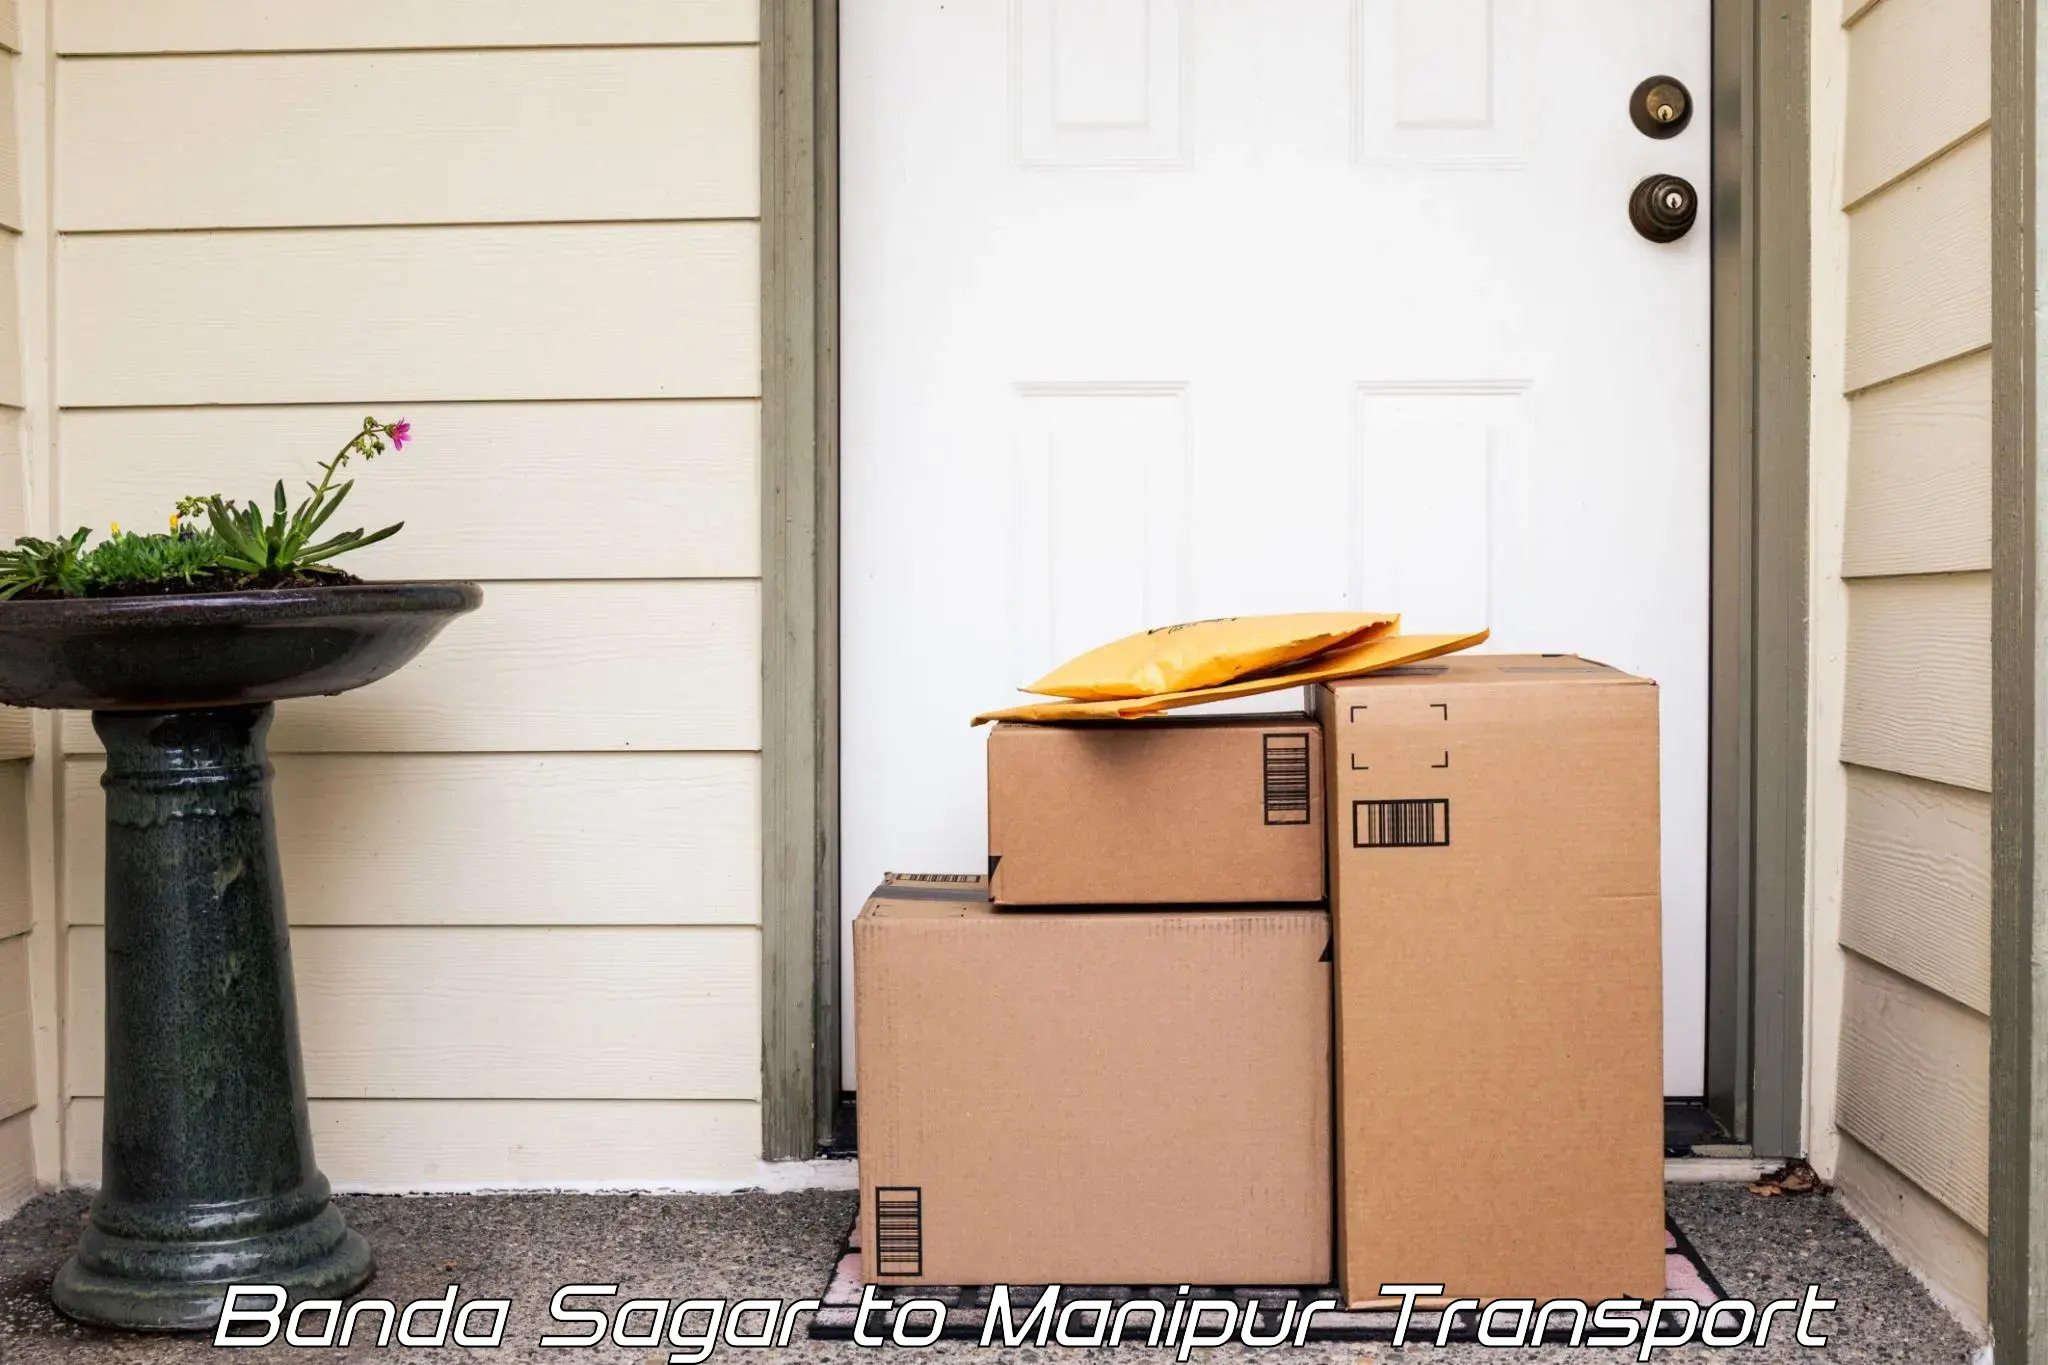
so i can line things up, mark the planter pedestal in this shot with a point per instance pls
(207, 1176)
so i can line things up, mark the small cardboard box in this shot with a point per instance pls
(1495, 896)
(1223, 810)
(1103, 1097)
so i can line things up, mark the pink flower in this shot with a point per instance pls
(400, 434)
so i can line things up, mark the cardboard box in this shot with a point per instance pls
(1197, 811)
(1494, 887)
(1102, 1097)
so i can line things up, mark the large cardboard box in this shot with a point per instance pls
(1494, 888)
(1098, 1097)
(1188, 811)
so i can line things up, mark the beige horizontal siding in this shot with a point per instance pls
(16, 727)
(409, 137)
(490, 490)
(1920, 268)
(15, 913)
(446, 1013)
(1919, 82)
(1912, 1082)
(1915, 1085)
(1920, 473)
(17, 1029)
(397, 315)
(554, 666)
(126, 27)
(1916, 882)
(424, 1144)
(13, 486)
(17, 1019)
(10, 328)
(17, 1164)
(1918, 688)
(523, 873)
(18, 987)
(1951, 1255)
(488, 839)
(10, 142)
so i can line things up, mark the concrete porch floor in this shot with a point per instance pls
(523, 1247)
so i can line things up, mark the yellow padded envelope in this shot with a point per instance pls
(1349, 661)
(1204, 653)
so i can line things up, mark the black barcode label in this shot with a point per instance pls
(899, 1230)
(1287, 779)
(1400, 824)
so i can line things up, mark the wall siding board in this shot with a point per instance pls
(13, 481)
(491, 490)
(110, 27)
(15, 907)
(601, 134)
(17, 1030)
(553, 666)
(1920, 474)
(1908, 1139)
(17, 1164)
(20, 971)
(1919, 82)
(450, 1013)
(1948, 1255)
(1920, 269)
(10, 147)
(523, 873)
(399, 315)
(10, 326)
(1918, 692)
(418, 840)
(401, 1145)
(1916, 882)
(1916, 1085)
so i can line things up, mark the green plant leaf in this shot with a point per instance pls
(222, 522)
(351, 540)
(333, 505)
(273, 537)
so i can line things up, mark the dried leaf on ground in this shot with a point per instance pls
(1794, 1177)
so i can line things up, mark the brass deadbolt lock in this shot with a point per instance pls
(1662, 207)
(1660, 107)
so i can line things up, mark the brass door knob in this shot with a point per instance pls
(1660, 107)
(1662, 207)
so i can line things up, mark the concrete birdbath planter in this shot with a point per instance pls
(208, 1175)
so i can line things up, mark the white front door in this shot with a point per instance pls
(1163, 309)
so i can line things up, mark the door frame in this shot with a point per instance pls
(1756, 910)
(2019, 700)
(1757, 708)
(800, 1079)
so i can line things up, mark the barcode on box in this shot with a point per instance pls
(1400, 824)
(1287, 779)
(899, 1230)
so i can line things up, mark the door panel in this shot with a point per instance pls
(1163, 309)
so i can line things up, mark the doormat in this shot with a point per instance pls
(1686, 1276)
